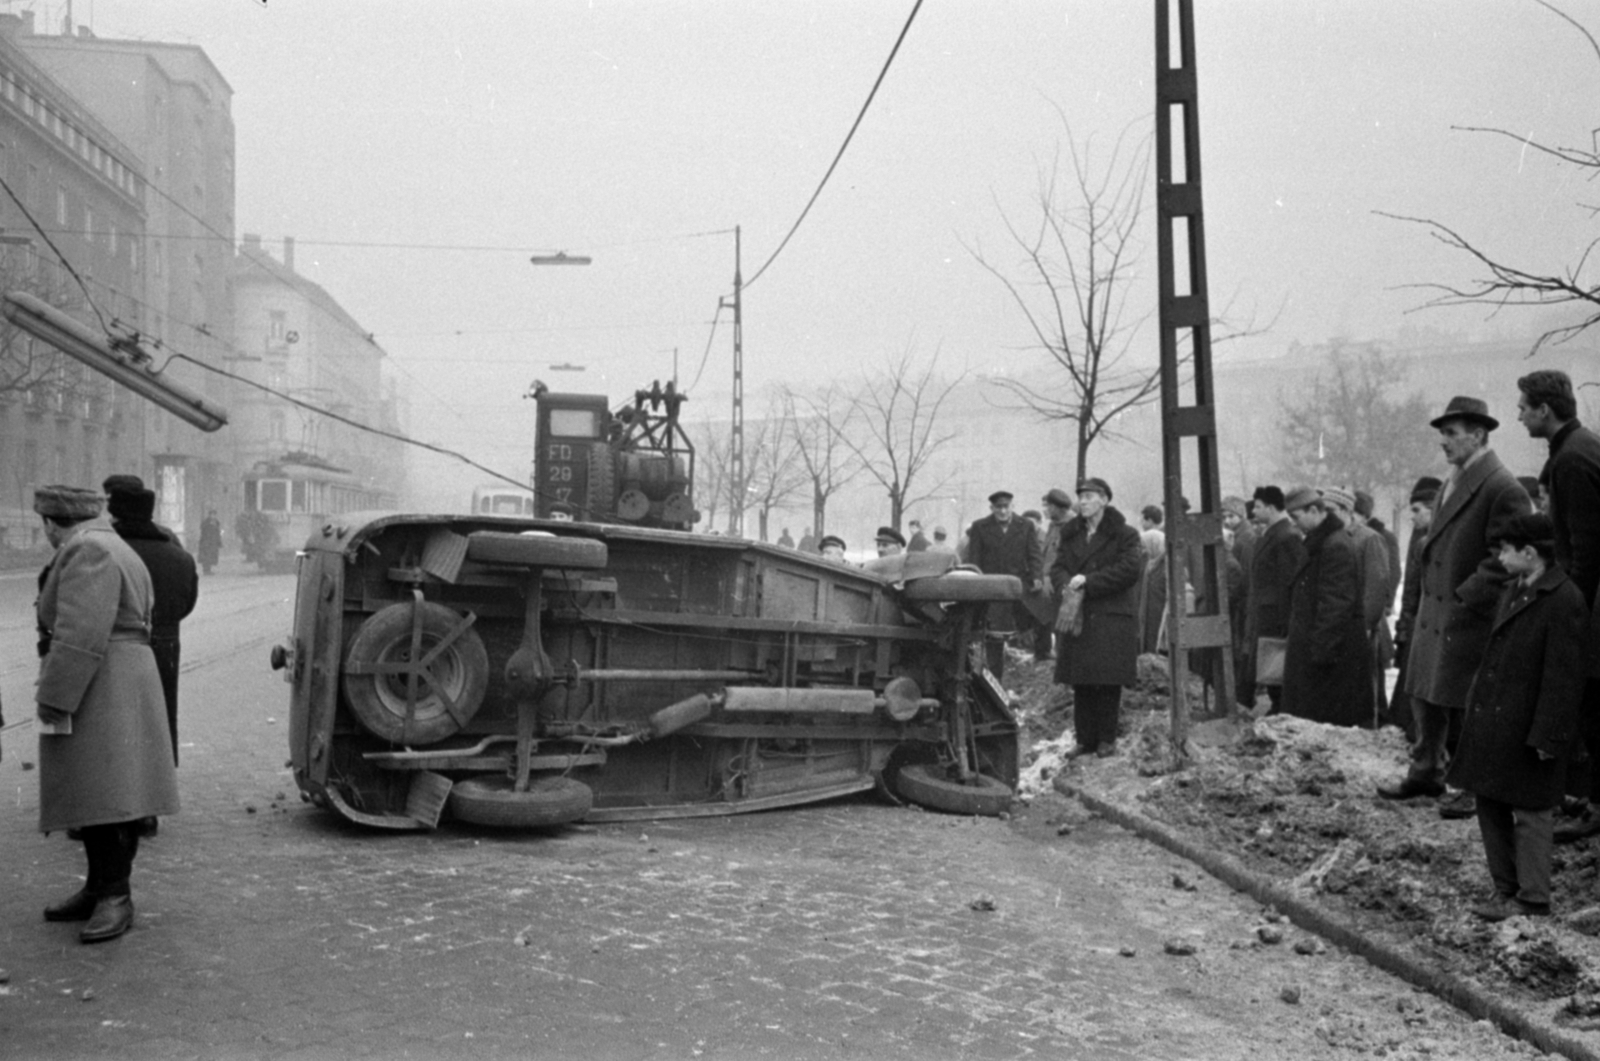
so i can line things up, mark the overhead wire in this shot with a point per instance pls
(840, 153)
(84, 287)
(703, 357)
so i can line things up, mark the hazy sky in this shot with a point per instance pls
(624, 130)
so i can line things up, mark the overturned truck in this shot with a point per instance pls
(532, 672)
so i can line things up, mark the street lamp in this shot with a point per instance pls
(561, 258)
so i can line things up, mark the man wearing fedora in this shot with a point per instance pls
(1461, 582)
(1002, 544)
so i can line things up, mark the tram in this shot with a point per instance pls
(288, 500)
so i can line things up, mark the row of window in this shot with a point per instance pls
(103, 162)
(284, 496)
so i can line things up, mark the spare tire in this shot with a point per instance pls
(964, 587)
(461, 670)
(536, 550)
(548, 801)
(927, 786)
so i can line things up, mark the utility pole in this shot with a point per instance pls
(736, 449)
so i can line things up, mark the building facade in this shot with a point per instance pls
(74, 184)
(174, 108)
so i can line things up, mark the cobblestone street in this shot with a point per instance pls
(266, 929)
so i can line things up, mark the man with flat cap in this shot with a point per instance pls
(1461, 582)
(832, 547)
(172, 576)
(105, 760)
(1002, 544)
(890, 542)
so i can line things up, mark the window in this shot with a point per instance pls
(276, 327)
(61, 204)
(10, 87)
(276, 428)
(88, 225)
(27, 103)
(111, 241)
(273, 495)
(133, 254)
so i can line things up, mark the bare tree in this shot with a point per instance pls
(777, 476)
(1351, 428)
(820, 418)
(1499, 284)
(28, 364)
(1077, 268)
(896, 432)
(713, 464)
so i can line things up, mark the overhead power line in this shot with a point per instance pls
(848, 137)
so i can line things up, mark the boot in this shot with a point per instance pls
(113, 916)
(76, 907)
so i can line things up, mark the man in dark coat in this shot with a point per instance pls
(1099, 558)
(1242, 547)
(1522, 718)
(1327, 671)
(211, 541)
(919, 541)
(1057, 511)
(172, 576)
(1461, 581)
(1279, 553)
(1421, 504)
(1002, 544)
(1571, 480)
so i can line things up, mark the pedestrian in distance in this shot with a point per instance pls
(1096, 576)
(1242, 547)
(1376, 592)
(785, 540)
(1002, 544)
(105, 758)
(941, 542)
(1461, 582)
(808, 542)
(173, 580)
(1521, 719)
(210, 541)
(919, 541)
(1327, 666)
(1548, 409)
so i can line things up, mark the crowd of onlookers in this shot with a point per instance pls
(1487, 617)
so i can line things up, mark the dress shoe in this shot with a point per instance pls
(76, 907)
(1410, 788)
(113, 915)
(1502, 907)
(1586, 824)
(1458, 804)
(1106, 750)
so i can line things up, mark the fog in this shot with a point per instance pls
(386, 136)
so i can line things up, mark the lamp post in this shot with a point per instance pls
(736, 445)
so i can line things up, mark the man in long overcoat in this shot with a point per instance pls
(1326, 671)
(1279, 553)
(1423, 495)
(1548, 409)
(109, 762)
(1521, 720)
(173, 579)
(1461, 581)
(1001, 543)
(1101, 557)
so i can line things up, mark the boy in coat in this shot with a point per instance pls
(1522, 718)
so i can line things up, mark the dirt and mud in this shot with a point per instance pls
(1295, 802)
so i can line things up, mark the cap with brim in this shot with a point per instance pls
(1299, 498)
(889, 534)
(1462, 407)
(1099, 486)
(830, 539)
(1339, 496)
(1001, 497)
(1534, 528)
(66, 502)
(122, 483)
(1058, 497)
(1235, 505)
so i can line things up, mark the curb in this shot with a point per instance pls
(1465, 996)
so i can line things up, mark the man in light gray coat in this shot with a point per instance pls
(1461, 581)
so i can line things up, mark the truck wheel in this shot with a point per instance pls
(926, 786)
(536, 550)
(548, 801)
(379, 700)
